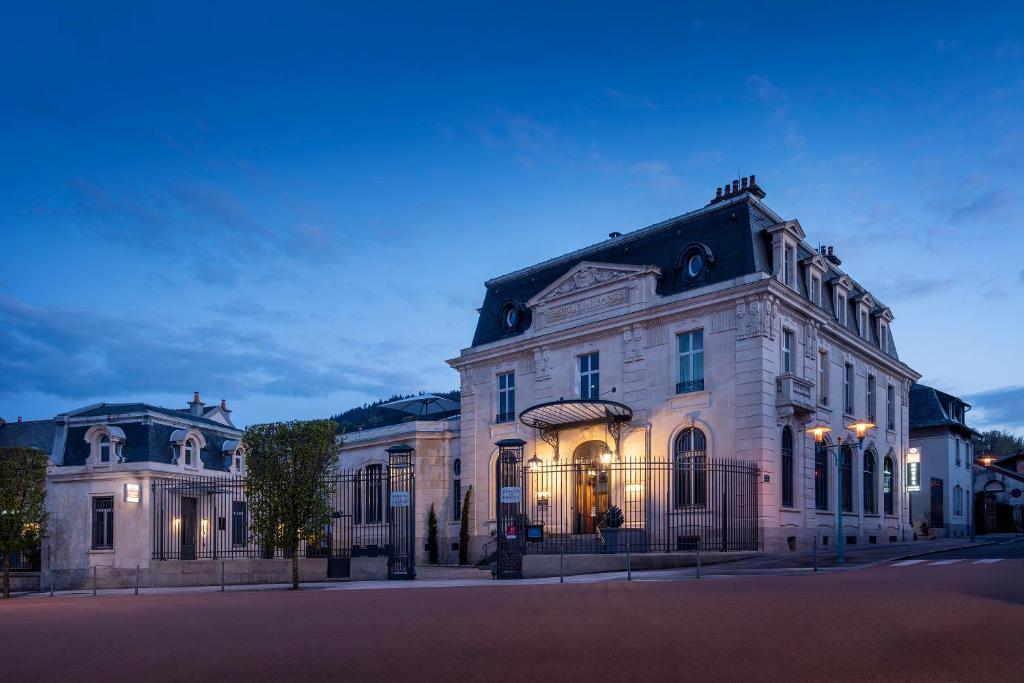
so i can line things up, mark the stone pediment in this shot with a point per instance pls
(590, 275)
(594, 290)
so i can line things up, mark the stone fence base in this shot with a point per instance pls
(179, 573)
(540, 566)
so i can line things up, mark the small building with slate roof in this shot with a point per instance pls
(723, 328)
(104, 459)
(941, 440)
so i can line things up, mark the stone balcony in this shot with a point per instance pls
(794, 395)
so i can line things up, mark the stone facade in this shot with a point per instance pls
(632, 314)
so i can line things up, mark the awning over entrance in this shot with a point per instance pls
(557, 415)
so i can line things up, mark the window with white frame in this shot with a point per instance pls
(883, 335)
(872, 399)
(189, 448)
(815, 288)
(823, 377)
(841, 309)
(102, 522)
(690, 347)
(506, 397)
(590, 376)
(789, 260)
(848, 389)
(864, 324)
(104, 449)
(958, 442)
(787, 351)
(958, 501)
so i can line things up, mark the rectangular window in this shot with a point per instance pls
(890, 407)
(787, 467)
(691, 362)
(958, 442)
(841, 309)
(871, 399)
(788, 266)
(823, 378)
(848, 389)
(103, 522)
(864, 324)
(820, 478)
(846, 467)
(506, 397)
(374, 494)
(883, 336)
(239, 523)
(457, 499)
(590, 376)
(815, 290)
(787, 351)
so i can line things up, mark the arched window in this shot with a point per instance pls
(820, 477)
(190, 453)
(846, 463)
(104, 448)
(691, 450)
(888, 486)
(870, 494)
(457, 489)
(787, 467)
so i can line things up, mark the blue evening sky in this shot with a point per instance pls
(295, 206)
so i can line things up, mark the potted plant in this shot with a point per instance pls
(611, 529)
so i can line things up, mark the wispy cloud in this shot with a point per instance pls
(1009, 49)
(910, 286)
(778, 102)
(1001, 408)
(981, 206)
(630, 100)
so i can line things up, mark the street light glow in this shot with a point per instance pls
(860, 428)
(819, 432)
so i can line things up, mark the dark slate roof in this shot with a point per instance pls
(147, 443)
(927, 409)
(34, 434)
(732, 230)
(104, 409)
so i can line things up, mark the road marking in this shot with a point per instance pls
(988, 561)
(947, 561)
(907, 563)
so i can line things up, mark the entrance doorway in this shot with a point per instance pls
(188, 528)
(592, 487)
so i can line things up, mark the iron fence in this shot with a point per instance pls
(662, 506)
(24, 561)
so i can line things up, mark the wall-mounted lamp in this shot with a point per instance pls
(819, 432)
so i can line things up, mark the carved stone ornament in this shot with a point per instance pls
(757, 317)
(542, 363)
(632, 344)
(588, 277)
(811, 343)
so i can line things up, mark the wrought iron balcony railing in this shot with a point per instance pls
(504, 417)
(690, 387)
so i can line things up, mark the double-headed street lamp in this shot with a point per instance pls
(860, 430)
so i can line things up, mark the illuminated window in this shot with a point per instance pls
(690, 487)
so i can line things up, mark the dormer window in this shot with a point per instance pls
(190, 453)
(692, 264)
(864, 324)
(789, 264)
(841, 308)
(105, 449)
(815, 290)
(105, 444)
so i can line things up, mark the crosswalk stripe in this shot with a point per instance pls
(907, 563)
(947, 561)
(991, 561)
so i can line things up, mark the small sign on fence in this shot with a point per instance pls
(399, 499)
(511, 494)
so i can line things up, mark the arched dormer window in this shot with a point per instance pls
(232, 450)
(190, 453)
(186, 447)
(692, 265)
(105, 445)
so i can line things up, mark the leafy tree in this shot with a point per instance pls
(998, 442)
(464, 528)
(287, 465)
(22, 504)
(432, 535)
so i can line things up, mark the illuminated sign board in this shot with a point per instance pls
(913, 470)
(133, 493)
(511, 494)
(399, 499)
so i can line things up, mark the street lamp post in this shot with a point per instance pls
(860, 429)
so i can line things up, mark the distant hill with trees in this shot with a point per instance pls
(998, 442)
(371, 415)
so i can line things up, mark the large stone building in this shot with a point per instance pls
(718, 335)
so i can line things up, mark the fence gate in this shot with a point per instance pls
(341, 536)
(401, 513)
(511, 522)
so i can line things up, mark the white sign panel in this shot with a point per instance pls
(399, 499)
(511, 494)
(132, 493)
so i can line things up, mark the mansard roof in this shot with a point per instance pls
(732, 230)
(928, 408)
(32, 434)
(104, 409)
(152, 442)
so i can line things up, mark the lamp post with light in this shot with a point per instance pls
(860, 430)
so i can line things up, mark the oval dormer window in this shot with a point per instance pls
(513, 314)
(694, 264)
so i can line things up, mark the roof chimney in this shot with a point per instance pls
(19, 418)
(734, 187)
(224, 405)
(195, 406)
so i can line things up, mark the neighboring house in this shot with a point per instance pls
(710, 339)
(999, 505)
(939, 431)
(105, 458)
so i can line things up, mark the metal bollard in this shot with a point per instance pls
(561, 565)
(222, 576)
(815, 552)
(699, 544)
(629, 564)
(94, 580)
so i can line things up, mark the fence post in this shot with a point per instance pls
(815, 552)
(94, 579)
(49, 567)
(51, 581)
(561, 564)
(137, 570)
(629, 564)
(700, 542)
(222, 576)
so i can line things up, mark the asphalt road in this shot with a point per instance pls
(1007, 550)
(924, 621)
